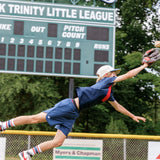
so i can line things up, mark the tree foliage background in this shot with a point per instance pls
(136, 30)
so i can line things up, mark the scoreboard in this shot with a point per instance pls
(59, 40)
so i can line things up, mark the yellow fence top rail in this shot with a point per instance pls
(86, 135)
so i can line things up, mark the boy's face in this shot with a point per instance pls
(112, 74)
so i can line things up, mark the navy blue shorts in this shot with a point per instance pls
(62, 115)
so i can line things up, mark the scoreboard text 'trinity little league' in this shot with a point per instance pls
(51, 39)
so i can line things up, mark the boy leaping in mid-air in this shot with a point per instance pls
(64, 113)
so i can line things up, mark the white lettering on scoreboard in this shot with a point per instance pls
(28, 10)
(41, 11)
(6, 27)
(38, 29)
(56, 12)
(25, 41)
(71, 31)
(101, 46)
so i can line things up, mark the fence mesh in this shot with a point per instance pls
(113, 148)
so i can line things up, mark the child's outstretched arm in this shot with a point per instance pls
(131, 73)
(124, 111)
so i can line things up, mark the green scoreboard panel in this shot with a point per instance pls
(58, 40)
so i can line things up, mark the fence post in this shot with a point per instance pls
(124, 149)
(29, 142)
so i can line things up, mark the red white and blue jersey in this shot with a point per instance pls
(95, 94)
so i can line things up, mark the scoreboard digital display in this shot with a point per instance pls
(58, 40)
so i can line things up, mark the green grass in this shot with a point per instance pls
(37, 157)
(11, 158)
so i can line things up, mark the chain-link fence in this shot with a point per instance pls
(115, 147)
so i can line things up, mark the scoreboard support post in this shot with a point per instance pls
(71, 87)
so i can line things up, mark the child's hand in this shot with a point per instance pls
(137, 118)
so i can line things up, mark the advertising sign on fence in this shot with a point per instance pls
(2, 148)
(153, 150)
(79, 149)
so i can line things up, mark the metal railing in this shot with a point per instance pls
(115, 146)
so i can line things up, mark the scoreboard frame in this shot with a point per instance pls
(55, 40)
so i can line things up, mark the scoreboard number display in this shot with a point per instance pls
(55, 40)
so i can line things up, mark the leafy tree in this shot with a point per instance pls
(93, 120)
(136, 19)
(117, 127)
(26, 95)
